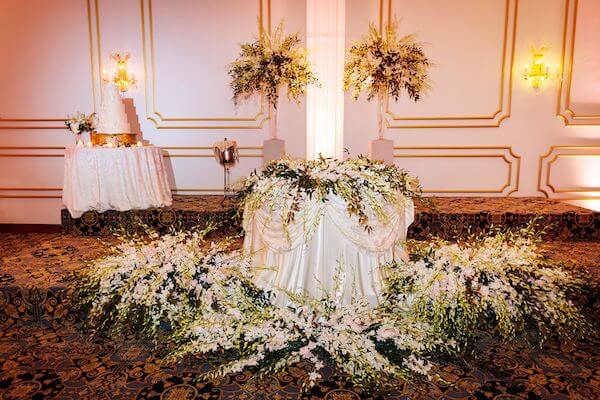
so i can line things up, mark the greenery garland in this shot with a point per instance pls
(364, 184)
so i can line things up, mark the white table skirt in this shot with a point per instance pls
(304, 257)
(123, 178)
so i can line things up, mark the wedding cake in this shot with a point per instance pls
(112, 125)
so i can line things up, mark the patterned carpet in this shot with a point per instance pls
(41, 362)
(44, 356)
(447, 217)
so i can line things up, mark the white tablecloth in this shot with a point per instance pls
(123, 178)
(304, 257)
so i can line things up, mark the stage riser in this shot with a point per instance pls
(448, 226)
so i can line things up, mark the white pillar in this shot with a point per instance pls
(325, 31)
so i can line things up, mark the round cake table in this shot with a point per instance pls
(120, 178)
(325, 251)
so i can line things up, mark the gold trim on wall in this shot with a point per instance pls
(27, 196)
(41, 123)
(208, 154)
(493, 119)
(545, 184)
(506, 154)
(251, 122)
(564, 108)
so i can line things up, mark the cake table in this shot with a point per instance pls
(118, 178)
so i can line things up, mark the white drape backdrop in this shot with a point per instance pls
(323, 243)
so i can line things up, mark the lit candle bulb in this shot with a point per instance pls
(110, 144)
(89, 144)
(139, 143)
(79, 143)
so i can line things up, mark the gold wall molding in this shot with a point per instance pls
(545, 165)
(493, 119)
(178, 152)
(564, 109)
(504, 153)
(160, 120)
(95, 67)
(26, 196)
(207, 152)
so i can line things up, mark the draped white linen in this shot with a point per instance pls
(323, 244)
(121, 178)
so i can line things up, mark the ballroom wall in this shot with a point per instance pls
(480, 131)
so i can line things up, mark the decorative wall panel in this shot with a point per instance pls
(470, 88)
(447, 169)
(194, 93)
(48, 67)
(570, 172)
(579, 94)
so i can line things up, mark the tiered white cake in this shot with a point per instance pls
(112, 124)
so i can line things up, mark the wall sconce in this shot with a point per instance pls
(122, 78)
(539, 72)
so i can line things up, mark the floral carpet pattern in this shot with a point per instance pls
(44, 356)
(44, 362)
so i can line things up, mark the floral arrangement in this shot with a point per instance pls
(365, 185)
(272, 61)
(198, 298)
(203, 295)
(168, 280)
(385, 64)
(80, 123)
(499, 280)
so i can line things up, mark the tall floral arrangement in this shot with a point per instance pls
(272, 62)
(386, 65)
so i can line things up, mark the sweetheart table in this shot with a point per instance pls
(324, 244)
(117, 178)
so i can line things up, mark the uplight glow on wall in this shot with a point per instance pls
(325, 104)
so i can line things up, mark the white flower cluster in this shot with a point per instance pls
(352, 336)
(287, 185)
(201, 299)
(167, 280)
(499, 279)
(80, 123)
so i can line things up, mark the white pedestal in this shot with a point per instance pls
(382, 150)
(273, 149)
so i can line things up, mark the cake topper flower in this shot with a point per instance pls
(80, 123)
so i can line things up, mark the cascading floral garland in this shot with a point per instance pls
(200, 300)
(364, 184)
